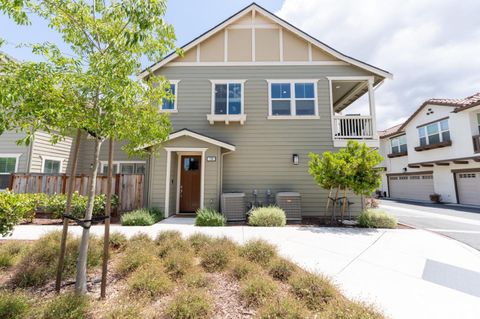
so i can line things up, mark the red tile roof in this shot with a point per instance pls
(390, 131)
(468, 101)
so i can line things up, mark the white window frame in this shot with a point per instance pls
(293, 107)
(51, 158)
(105, 163)
(440, 131)
(397, 139)
(175, 107)
(10, 155)
(227, 82)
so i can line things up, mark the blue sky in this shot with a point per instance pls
(431, 46)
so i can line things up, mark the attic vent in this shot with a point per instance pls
(429, 111)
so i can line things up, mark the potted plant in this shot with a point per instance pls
(436, 198)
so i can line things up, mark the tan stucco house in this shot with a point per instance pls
(253, 96)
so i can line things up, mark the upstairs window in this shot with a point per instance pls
(227, 97)
(171, 105)
(8, 165)
(434, 133)
(399, 144)
(293, 99)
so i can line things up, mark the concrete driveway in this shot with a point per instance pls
(458, 222)
(407, 273)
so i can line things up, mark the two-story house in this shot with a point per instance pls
(436, 150)
(253, 96)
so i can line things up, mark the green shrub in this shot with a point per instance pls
(196, 279)
(150, 280)
(199, 241)
(284, 308)
(14, 208)
(142, 217)
(13, 305)
(190, 304)
(67, 306)
(346, 309)
(374, 218)
(281, 269)
(171, 240)
(40, 264)
(258, 251)
(136, 254)
(314, 290)
(168, 235)
(117, 241)
(271, 216)
(241, 268)
(11, 252)
(140, 238)
(216, 256)
(256, 290)
(209, 217)
(178, 263)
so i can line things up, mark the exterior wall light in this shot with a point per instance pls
(295, 159)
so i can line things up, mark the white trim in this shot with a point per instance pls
(175, 108)
(52, 158)
(257, 26)
(11, 155)
(167, 182)
(351, 78)
(332, 112)
(283, 24)
(242, 98)
(105, 163)
(293, 99)
(227, 118)
(258, 63)
(201, 138)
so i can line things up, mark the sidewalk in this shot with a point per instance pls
(408, 273)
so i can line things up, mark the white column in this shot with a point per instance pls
(371, 100)
(167, 183)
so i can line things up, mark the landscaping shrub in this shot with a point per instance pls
(136, 254)
(347, 309)
(140, 238)
(171, 240)
(142, 217)
(258, 251)
(209, 217)
(374, 218)
(14, 208)
(216, 256)
(271, 216)
(196, 279)
(371, 202)
(117, 240)
(150, 280)
(11, 252)
(125, 310)
(67, 306)
(314, 290)
(285, 308)
(190, 304)
(241, 268)
(178, 263)
(257, 289)
(199, 241)
(13, 305)
(40, 264)
(281, 269)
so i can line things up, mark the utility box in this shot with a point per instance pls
(290, 202)
(233, 206)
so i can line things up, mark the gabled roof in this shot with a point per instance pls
(458, 105)
(201, 137)
(281, 22)
(392, 131)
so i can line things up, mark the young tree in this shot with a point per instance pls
(107, 40)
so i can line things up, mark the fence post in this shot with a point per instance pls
(117, 192)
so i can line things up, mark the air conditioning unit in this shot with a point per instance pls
(290, 202)
(233, 206)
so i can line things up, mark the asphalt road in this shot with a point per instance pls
(460, 223)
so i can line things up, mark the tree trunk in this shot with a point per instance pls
(108, 206)
(81, 278)
(68, 206)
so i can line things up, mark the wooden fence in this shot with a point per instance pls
(128, 187)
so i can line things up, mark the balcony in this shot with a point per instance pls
(476, 144)
(354, 128)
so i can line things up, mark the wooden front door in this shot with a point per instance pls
(190, 183)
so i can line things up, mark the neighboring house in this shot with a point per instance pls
(437, 150)
(253, 96)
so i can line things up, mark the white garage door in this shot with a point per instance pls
(468, 188)
(415, 187)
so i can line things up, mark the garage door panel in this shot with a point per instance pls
(414, 187)
(468, 188)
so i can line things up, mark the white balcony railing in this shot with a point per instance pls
(353, 127)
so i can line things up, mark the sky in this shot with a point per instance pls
(432, 47)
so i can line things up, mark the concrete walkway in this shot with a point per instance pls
(408, 273)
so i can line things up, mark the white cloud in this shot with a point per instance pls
(431, 46)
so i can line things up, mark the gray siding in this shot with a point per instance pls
(8, 145)
(263, 159)
(43, 147)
